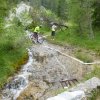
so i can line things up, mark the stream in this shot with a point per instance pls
(19, 82)
(40, 65)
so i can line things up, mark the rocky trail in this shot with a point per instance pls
(40, 78)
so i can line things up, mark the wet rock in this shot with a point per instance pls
(17, 83)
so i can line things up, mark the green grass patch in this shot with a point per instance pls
(11, 60)
(13, 51)
(94, 73)
(83, 57)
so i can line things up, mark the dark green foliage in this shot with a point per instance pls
(96, 14)
(62, 10)
(35, 3)
(51, 5)
(59, 7)
(3, 8)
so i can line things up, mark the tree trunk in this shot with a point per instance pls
(89, 17)
(91, 33)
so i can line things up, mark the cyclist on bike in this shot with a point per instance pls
(36, 31)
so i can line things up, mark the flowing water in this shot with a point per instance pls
(19, 82)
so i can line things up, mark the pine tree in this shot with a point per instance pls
(80, 13)
(62, 9)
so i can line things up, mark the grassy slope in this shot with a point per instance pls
(82, 41)
(63, 38)
(12, 51)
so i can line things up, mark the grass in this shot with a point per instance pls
(94, 73)
(13, 52)
(64, 37)
(10, 63)
(83, 57)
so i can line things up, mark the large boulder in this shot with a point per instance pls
(76, 95)
(88, 86)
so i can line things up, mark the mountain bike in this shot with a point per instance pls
(39, 37)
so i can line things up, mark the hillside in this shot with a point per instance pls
(76, 40)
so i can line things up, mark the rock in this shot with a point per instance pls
(56, 63)
(34, 91)
(81, 92)
(88, 86)
(76, 95)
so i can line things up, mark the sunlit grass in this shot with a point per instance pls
(65, 37)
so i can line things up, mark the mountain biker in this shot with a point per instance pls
(36, 31)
